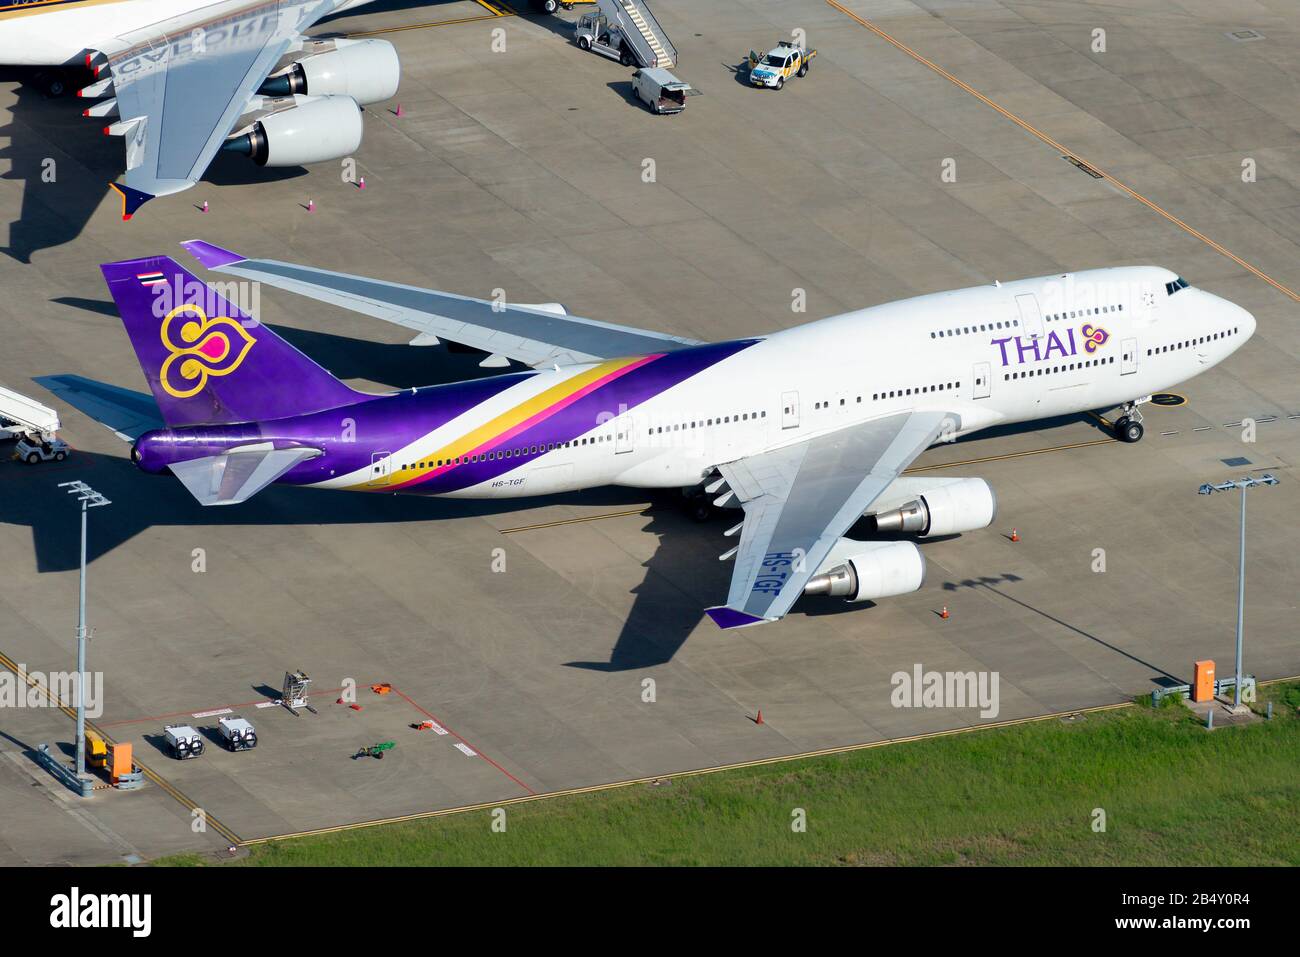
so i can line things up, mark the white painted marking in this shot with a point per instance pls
(462, 746)
(212, 714)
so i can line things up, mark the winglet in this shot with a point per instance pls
(132, 199)
(727, 617)
(210, 256)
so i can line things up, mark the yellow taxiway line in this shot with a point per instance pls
(1066, 151)
(170, 789)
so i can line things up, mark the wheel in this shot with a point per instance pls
(584, 43)
(550, 6)
(33, 458)
(803, 68)
(699, 508)
(780, 83)
(1126, 430)
(60, 456)
(625, 58)
(53, 83)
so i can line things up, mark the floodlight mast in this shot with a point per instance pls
(1243, 485)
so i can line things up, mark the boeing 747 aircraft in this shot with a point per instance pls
(174, 78)
(807, 429)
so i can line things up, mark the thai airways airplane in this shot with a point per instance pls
(174, 78)
(807, 430)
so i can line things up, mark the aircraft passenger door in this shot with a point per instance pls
(1128, 357)
(381, 466)
(623, 427)
(982, 386)
(789, 410)
(1031, 319)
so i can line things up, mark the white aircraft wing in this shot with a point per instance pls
(800, 500)
(181, 84)
(534, 335)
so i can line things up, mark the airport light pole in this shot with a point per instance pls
(1243, 485)
(89, 499)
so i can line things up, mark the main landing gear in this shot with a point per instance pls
(1128, 427)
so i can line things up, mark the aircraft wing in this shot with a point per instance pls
(533, 335)
(181, 84)
(800, 500)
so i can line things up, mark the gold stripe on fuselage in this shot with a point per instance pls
(12, 11)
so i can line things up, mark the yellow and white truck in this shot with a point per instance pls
(772, 69)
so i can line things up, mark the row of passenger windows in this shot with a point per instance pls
(707, 423)
(1083, 313)
(1046, 370)
(982, 327)
(1188, 343)
(894, 394)
(519, 453)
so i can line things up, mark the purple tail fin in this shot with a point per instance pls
(205, 359)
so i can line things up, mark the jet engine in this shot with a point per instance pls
(880, 570)
(961, 506)
(366, 70)
(314, 129)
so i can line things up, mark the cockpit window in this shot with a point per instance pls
(1176, 285)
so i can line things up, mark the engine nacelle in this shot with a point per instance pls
(366, 70)
(885, 570)
(314, 129)
(956, 507)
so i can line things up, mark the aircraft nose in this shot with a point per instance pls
(1247, 323)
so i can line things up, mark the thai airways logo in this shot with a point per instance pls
(1094, 337)
(1064, 344)
(206, 347)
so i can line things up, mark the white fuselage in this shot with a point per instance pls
(990, 355)
(61, 32)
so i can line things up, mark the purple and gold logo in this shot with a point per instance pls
(1094, 337)
(207, 347)
(1063, 344)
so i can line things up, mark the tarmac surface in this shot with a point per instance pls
(522, 170)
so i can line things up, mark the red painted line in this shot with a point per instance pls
(434, 717)
(194, 711)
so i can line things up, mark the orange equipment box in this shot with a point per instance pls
(122, 760)
(1203, 683)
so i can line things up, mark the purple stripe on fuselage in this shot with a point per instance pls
(349, 436)
(623, 394)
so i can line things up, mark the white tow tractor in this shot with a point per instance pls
(772, 69)
(183, 741)
(34, 450)
(237, 733)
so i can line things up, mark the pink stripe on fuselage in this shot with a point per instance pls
(537, 417)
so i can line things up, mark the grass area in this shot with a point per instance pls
(1172, 793)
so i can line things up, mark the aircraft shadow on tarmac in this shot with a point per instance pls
(49, 139)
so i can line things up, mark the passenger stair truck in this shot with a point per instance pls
(21, 414)
(627, 31)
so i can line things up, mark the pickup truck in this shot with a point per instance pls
(772, 69)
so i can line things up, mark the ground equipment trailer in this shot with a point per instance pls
(183, 741)
(625, 30)
(34, 425)
(237, 733)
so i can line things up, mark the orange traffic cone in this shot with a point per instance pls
(759, 719)
(944, 614)
(1015, 536)
(398, 111)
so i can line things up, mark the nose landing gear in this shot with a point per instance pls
(1128, 427)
